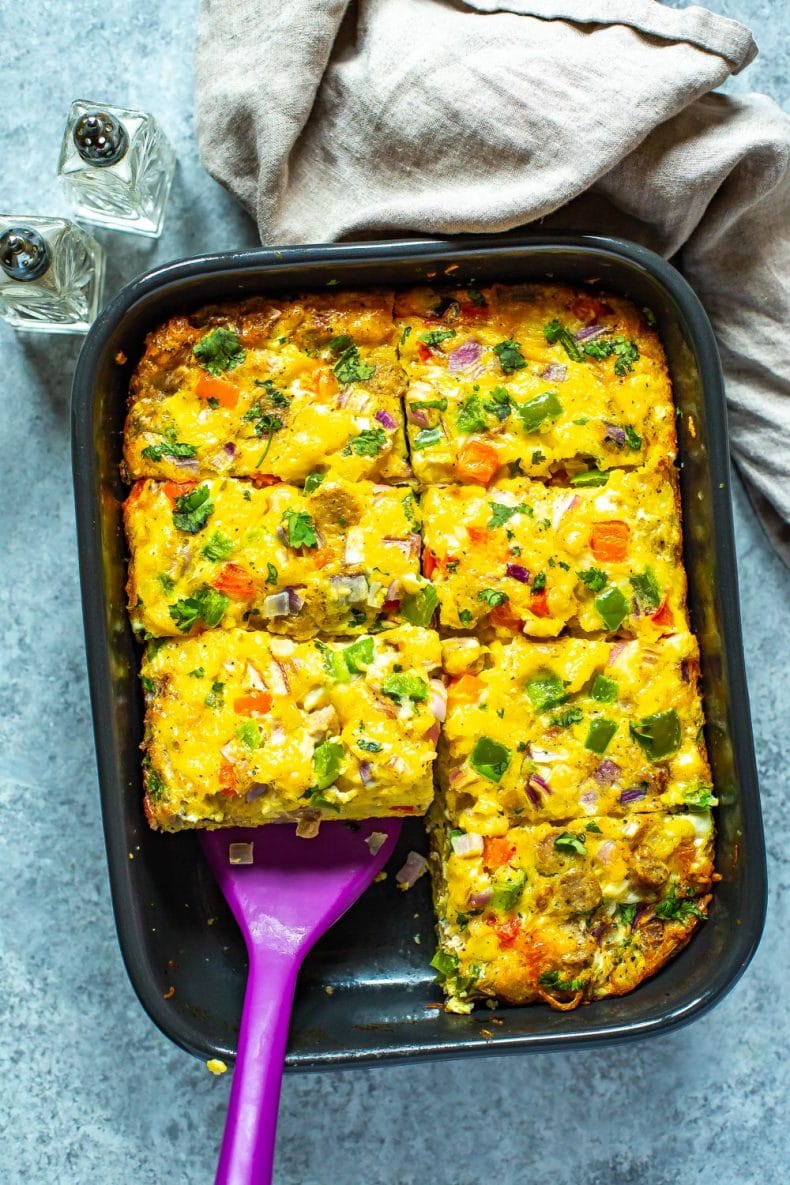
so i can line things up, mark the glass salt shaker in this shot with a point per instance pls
(51, 274)
(116, 167)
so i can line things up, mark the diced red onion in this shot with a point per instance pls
(366, 773)
(467, 845)
(605, 850)
(685, 671)
(414, 867)
(230, 448)
(417, 416)
(254, 678)
(438, 700)
(343, 396)
(240, 853)
(392, 591)
(256, 791)
(279, 678)
(464, 356)
(386, 419)
(536, 782)
(376, 841)
(433, 733)
(616, 433)
(281, 535)
(638, 912)
(532, 795)
(353, 589)
(277, 605)
(518, 573)
(555, 372)
(227, 753)
(185, 462)
(616, 651)
(597, 931)
(295, 602)
(397, 764)
(589, 798)
(455, 774)
(480, 900)
(635, 794)
(562, 507)
(607, 772)
(589, 333)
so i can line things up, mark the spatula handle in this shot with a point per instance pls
(247, 1155)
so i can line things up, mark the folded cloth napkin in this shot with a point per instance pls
(331, 119)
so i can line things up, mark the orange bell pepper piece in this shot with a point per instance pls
(539, 605)
(225, 393)
(609, 540)
(465, 689)
(503, 617)
(236, 582)
(255, 702)
(663, 615)
(176, 489)
(477, 461)
(497, 850)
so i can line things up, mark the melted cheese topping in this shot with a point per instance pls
(456, 354)
(236, 719)
(360, 564)
(530, 545)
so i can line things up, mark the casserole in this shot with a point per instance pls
(164, 896)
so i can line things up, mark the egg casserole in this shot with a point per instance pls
(271, 389)
(523, 556)
(244, 728)
(531, 379)
(338, 559)
(365, 525)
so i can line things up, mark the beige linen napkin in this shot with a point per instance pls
(329, 119)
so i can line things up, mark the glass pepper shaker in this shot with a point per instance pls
(51, 274)
(116, 167)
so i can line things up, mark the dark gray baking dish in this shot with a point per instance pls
(174, 929)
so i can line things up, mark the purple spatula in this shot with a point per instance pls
(294, 890)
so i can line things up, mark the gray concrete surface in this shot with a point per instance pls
(90, 1091)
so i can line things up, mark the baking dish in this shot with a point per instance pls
(366, 992)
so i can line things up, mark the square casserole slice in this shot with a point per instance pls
(569, 913)
(341, 559)
(547, 731)
(523, 556)
(244, 728)
(271, 389)
(532, 378)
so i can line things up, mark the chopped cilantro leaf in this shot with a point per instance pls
(465, 617)
(677, 909)
(193, 510)
(594, 578)
(206, 605)
(218, 547)
(219, 351)
(539, 583)
(168, 447)
(500, 514)
(370, 746)
(633, 438)
(272, 575)
(554, 979)
(492, 597)
(313, 481)
(471, 417)
(499, 403)
(434, 336)
(300, 528)
(368, 443)
(406, 332)
(510, 357)
(349, 368)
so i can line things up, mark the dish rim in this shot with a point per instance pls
(179, 275)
